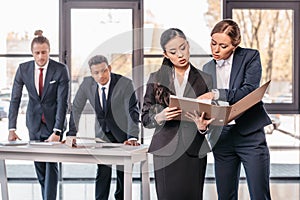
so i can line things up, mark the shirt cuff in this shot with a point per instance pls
(216, 94)
(55, 129)
(203, 132)
(132, 139)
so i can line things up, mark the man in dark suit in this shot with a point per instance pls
(47, 83)
(114, 101)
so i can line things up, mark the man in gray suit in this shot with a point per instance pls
(114, 101)
(47, 83)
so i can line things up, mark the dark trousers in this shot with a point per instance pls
(103, 181)
(47, 174)
(103, 177)
(234, 149)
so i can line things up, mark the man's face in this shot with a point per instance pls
(101, 73)
(40, 53)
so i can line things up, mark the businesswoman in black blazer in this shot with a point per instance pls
(176, 145)
(236, 72)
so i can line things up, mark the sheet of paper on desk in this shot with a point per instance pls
(111, 145)
(99, 145)
(13, 143)
(43, 143)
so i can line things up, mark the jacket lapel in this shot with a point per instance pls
(113, 82)
(211, 69)
(49, 74)
(31, 78)
(236, 66)
(191, 80)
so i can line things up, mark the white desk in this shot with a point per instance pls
(123, 155)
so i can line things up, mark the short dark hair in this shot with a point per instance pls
(97, 60)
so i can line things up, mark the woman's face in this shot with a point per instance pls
(177, 50)
(221, 47)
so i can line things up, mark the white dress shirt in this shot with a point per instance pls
(37, 74)
(100, 91)
(223, 70)
(179, 88)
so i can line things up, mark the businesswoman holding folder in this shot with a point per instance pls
(236, 72)
(176, 145)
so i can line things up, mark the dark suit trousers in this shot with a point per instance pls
(47, 172)
(251, 150)
(103, 178)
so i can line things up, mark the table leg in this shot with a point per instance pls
(145, 180)
(128, 180)
(3, 180)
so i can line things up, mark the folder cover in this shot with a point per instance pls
(222, 114)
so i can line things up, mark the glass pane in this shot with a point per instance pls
(8, 67)
(100, 31)
(16, 33)
(194, 18)
(262, 30)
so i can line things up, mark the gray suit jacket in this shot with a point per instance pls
(122, 116)
(53, 103)
(244, 78)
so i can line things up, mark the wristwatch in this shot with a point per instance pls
(57, 133)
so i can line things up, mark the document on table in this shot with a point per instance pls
(13, 143)
(43, 143)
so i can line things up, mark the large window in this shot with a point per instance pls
(16, 34)
(269, 27)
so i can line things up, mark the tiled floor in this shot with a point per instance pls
(84, 190)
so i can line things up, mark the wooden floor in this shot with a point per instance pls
(70, 190)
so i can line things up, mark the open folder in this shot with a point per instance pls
(222, 114)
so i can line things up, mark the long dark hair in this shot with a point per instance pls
(165, 75)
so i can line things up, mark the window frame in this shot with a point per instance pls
(229, 5)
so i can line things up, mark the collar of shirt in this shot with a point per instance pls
(37, 73)
(106, 91)
(37, 67)
(228, 61)
(223, 73)
(220, 63)
(106, 86)
(179, 89)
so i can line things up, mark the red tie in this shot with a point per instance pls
(41, 87)
(41, 82)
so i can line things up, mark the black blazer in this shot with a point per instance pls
(244, 78)
(165, 139)
(122, 116)
(53, 103)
